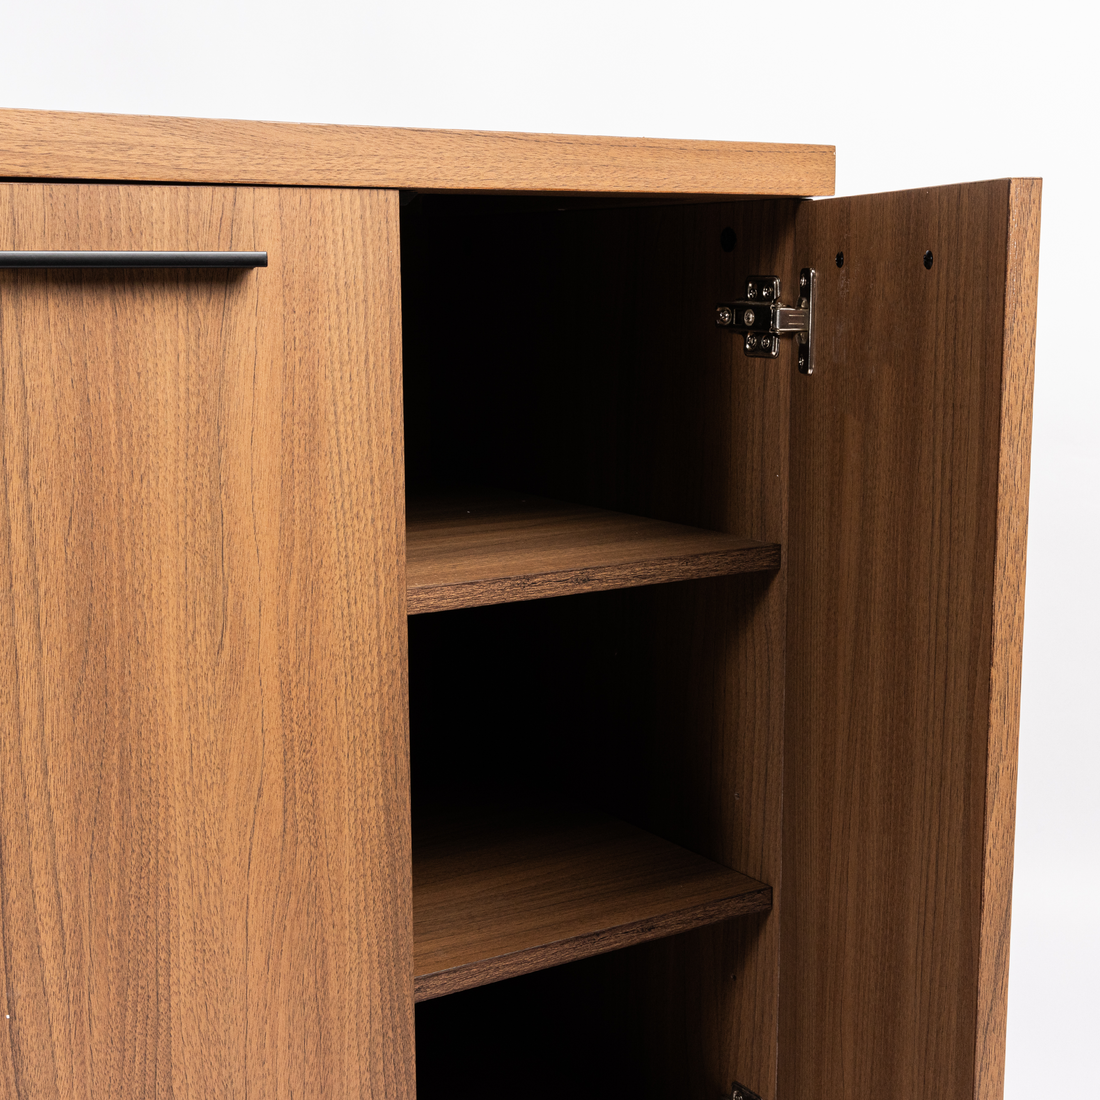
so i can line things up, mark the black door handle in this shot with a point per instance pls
(132, 259)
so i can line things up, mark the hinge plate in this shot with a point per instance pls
(762, 319)
(740, 1092)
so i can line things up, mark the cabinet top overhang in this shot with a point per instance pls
(69, 145)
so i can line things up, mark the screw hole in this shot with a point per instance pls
(728, 239)
(840, 259)
(928, 259)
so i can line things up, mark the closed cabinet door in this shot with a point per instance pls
(204, 837)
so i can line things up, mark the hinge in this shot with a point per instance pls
(740, 1092)
(762, 318)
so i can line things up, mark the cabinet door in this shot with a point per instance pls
(908, 516)
(204, 838)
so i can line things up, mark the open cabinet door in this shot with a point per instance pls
(204, 820)
(908, 520)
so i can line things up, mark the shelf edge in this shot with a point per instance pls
(485, 971)
(534, 586)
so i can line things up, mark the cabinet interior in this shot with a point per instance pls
(562, 358)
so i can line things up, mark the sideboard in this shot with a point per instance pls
(464, 632)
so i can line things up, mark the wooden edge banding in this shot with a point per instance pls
(1017, 379)
(450, 597)
(484, 972)
(70, 145)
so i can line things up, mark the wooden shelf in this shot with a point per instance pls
(503, 893)
(476, 548)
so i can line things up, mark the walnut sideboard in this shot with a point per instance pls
(454, 644)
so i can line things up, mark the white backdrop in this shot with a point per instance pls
(927, 94)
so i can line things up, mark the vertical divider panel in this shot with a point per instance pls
(687, 428)
(204, 832)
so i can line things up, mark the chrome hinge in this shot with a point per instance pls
(762, 318)
(739, 1092)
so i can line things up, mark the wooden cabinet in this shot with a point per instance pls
(441, 663)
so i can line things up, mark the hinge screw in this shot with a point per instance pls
(765, 292)
(765, 342)
(725, 315)
(750, 341)
(749, 316)
(750, 290)
(803, 281)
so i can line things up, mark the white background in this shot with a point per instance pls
(924, 93)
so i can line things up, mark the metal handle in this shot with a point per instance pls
(132, 259)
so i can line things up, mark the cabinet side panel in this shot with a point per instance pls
(1014, 471)
(697, 433)
(204, 853)
(895, 465)
(714, 765)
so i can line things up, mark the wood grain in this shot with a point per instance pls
(908, 497)
(204, 833)
(468, 549)
(56, 144)
(1013, 475)
(628, 398)
(500, 894)
(677, 423)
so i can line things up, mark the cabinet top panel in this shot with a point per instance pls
(64, 145)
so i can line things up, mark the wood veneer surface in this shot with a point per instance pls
(476, 548)
(685, 427)
(908, 507)
(204, 834)
(57, 144)
(496, 895)
(1013, 475)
